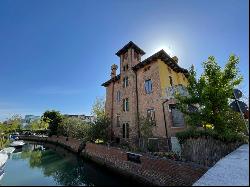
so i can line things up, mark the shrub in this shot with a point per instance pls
(226, 137)
(169, 155)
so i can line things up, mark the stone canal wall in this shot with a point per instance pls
(150, 170)
(72, 144)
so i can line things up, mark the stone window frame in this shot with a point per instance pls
(125, 130)
(125, 82)
(151, 115)
(118, 96)
(118, 120)
(148, 86)
(125, 105)
(125, 67)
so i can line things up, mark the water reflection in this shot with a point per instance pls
(60, 164)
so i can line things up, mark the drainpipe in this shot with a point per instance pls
(165, 122)
(137, 105)
(112, 111)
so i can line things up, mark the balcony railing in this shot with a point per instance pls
(171, 91)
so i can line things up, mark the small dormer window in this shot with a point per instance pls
(125, 67)
(136, 56)
(125, 56)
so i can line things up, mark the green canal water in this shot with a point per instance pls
(45, 164)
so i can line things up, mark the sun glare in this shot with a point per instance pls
(167, 49)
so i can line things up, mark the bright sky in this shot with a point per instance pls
(56, 54)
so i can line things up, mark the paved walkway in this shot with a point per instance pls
(232, 170)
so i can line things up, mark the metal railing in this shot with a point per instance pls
(171, 91)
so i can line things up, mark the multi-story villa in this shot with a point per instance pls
(144, 88)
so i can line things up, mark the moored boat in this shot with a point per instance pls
(17, 144)
(3, 160)
(8, 150)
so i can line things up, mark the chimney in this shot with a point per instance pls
(175, 59)
(114, 67)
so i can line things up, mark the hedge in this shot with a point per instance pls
(226, 137)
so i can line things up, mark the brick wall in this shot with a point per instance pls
(153, 100)
(152, 170)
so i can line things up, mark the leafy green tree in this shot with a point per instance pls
(11, 125)
(146, 128)
(100, 128)
(3, 140)
(14, 123)
(38, 124)
(98, 108)
(146, 132)
(209, 95)
(74, 127)
(54, 118)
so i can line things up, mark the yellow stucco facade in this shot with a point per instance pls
(165, 72)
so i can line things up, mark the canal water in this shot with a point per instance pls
(45, 164)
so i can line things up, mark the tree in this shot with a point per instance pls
(100, 127)
(146, 132)
(146, 128)
(98, 108)
(12, 124)
(208, 99)
(54, 118)
(38, 124)
(74, 127)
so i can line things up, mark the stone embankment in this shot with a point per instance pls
(150, 170)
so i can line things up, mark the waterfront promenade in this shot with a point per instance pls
(232, 170)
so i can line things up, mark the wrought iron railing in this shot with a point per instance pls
(171, 91)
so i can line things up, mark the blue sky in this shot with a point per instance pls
(56, 54)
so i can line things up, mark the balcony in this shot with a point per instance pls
(171, 91)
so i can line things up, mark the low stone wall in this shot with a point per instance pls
(206, 151)
(151, 170)
(72, 144)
